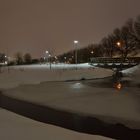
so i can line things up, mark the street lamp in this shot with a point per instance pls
(47, 52)
(65, 58)
(76, 45)
(50, 61)
(119, 45)
(49, 57)
(92, 52)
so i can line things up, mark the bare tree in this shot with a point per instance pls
(137, 27)
(19, 58)
(127, 38)
(108, 45)
(27, 58)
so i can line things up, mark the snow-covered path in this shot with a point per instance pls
(16, 127)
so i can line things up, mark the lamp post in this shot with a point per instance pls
(92, 52)
(120, 45)
(76, 45)
(48, 55)
(50, 61)
(118, 74)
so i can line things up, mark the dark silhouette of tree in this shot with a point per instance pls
(128, 39)
(128, 36)
(27, 58)
(137, 27)
(19, 58)
(108, 45)
(137, 33)
(2, 58)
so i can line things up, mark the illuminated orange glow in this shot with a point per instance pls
(119, 44)
(118, 86)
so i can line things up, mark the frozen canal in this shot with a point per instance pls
(88, 97)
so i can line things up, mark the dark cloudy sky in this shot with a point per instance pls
(36, 25)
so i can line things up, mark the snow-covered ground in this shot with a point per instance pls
(104, 103)
(34, 74)
(16, 127)
(133, 73)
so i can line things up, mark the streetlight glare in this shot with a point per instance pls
(118, 44)
(76, 45)
(92, 52)
(47, 52)
(75, 41)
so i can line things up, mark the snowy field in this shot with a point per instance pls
(34, 74)
(16, 127)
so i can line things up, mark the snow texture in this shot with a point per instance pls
(16, 127)
(34, 74)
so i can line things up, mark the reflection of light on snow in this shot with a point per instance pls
(6, 62)
(77, 85)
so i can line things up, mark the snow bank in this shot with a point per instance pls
(133, 72)
(16, 127)
(34, 74)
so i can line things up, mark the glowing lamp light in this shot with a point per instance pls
(47, 52)
(75, 41)
(6, 62)
(118, 44)
(92, 52)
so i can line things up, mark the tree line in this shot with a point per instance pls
(23, 59)
(121, 42)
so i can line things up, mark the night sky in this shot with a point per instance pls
(35, 26)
